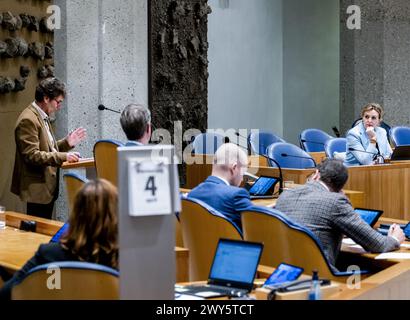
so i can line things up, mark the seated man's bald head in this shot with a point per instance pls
(230, 162)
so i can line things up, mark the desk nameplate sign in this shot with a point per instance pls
(149, 191)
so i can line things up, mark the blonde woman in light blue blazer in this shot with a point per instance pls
(367, 139)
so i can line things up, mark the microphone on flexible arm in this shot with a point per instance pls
(298, 157)
(269, 158)
(314, 142)
(101, 107)
(336, 131)
(376, 155)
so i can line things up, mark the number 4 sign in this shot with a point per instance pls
(149, 187)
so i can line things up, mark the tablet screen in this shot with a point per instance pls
(263, 186)
(283, 273)
(368, 215)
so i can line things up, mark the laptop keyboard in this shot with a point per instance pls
(215, 288)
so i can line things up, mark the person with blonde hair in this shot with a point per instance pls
(367, 141)
(92, 234)
(221, 190)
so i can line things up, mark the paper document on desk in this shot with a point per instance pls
(348, 241)
(393, 255)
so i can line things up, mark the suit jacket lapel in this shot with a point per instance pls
(43, 125)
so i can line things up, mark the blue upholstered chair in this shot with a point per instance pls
(259, 141)
(289, 156)
(202, 227)
(78, 281)
(106, 158)
(400, 136)
(207, 143)
(313, 140)
(288, 242)
(335, 145)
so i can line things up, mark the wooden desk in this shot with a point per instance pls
(16, 246)
(197, 173)
(390, 284)
(87, 165)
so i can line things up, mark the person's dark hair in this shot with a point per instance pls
(134, 121)
(51, 88)
(333, 173)
(93, 224)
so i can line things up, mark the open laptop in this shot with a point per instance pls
(263, 188)
(401, 153)
(232, 272)
(369, 215)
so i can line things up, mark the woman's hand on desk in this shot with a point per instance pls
(396, 232)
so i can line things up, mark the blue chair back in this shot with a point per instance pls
(78, 280)
(313, 140)
(207, 143)
(400, 136)
(335, 145)
(288, 242)
(259, 141)
(289, 156)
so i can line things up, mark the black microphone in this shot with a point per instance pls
(101, 107)
(298, 157)
(336, 131)
(314, 142)
(269, 158)
(375, 154)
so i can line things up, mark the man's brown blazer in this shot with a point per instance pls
(36, 163)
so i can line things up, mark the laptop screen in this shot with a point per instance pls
(235, 263)
(370, 216)
(263, 186)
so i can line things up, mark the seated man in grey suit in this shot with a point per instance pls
(221, 190)
(321, 206)
(136, 123)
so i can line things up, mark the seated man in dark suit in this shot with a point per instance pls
(221, 190)
(321, 206)
(136, 124)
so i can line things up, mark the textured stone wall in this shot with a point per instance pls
(374, 61)
(179, 63)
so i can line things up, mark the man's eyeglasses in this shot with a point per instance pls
(58, 101)
(374, 118)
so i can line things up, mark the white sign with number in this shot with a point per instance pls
(149, 191)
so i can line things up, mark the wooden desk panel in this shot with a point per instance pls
(16, 246)
(390, 284)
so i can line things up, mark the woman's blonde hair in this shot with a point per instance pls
(93, 224)
(373, 106)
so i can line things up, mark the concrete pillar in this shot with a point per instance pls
(374, 61)
(101, 53)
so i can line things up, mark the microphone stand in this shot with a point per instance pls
(299, 157)
(101, 107)
(271, 159)
(376, 155)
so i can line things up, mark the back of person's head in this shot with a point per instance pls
(135, 119)
(229, 154)
(373, 106)
(333, 173)
(51, 88)
(93, 231)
